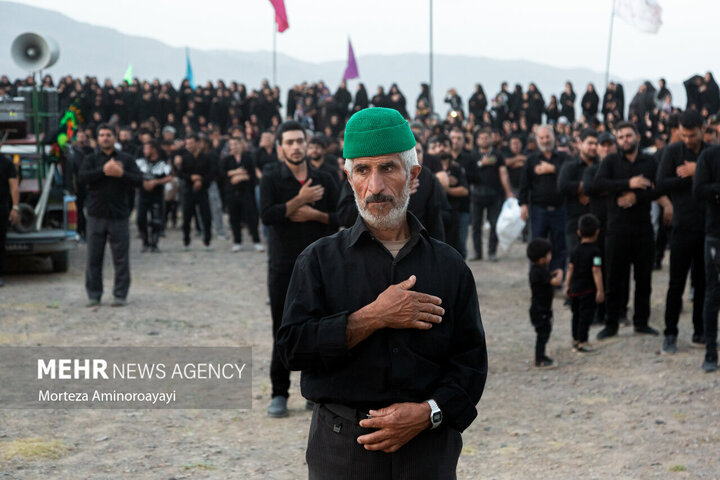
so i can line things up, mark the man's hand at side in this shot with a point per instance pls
(397, 424)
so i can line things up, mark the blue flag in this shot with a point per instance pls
(188, 69)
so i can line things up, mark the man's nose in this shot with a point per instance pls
(377, 183)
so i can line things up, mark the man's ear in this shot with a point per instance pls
(349, 178)
(415, 171)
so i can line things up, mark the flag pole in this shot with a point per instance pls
(609, 50)
(432, 106)
(274, 53)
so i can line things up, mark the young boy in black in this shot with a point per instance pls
(542, 284)
(584, 281)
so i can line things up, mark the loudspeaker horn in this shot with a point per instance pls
(32, 52)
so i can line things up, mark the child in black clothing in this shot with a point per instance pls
(584, 282)
(542, 284)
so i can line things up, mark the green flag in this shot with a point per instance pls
(128, 75)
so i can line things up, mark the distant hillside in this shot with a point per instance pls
(111, 51)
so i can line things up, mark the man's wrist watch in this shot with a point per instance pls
(436, 415)
(16, 208)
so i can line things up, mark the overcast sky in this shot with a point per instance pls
(563, 33)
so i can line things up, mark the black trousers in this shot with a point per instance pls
(712, 296)
(583, 312)
(99, 231)
(278, 281)
(542, 321)
(170, 212)
(333, 452)
(152, 206)
(621, 252)
(687, 253)
(4, 223)
(480, 209)
(190, 201)
(242, 209)
(81, 220)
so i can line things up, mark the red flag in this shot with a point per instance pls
(280, 15)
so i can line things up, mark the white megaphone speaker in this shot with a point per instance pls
(32, 52)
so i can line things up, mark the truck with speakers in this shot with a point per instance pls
(28, 125)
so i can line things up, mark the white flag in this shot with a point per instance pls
(645, 15)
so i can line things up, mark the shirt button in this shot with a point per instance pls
(395, 350)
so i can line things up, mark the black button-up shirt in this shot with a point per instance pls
(706, 188)
(287, 239)
(541, 190)
(339, 275)
(109, 197)
(246, 187)
(598, 198)
(204, 165)
(568, 183)
(614, 176)
(688, 214)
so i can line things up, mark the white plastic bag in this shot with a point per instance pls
(509, 224)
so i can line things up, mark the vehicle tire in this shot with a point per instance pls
(60, 261)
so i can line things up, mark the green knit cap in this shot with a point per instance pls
(372, 132)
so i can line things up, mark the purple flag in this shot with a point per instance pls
(351, 71)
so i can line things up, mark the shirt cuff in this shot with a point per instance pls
(331, 337)
(457, 409)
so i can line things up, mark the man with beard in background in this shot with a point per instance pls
(539, 198)
(297, 203)
(491, 187)
(577, 203)
(674, 178)
(627, 177)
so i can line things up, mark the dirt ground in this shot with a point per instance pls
(626, 413)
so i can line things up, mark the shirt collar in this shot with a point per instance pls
(285, 172)
(360, 228)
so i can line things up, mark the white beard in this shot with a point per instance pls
(394, 218)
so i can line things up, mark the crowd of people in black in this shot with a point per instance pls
(583, 168)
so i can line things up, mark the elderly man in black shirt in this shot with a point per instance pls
(383, 321)
(706, 189)
(539, 197)
(111, 178)
(687, 243)
(627, 177)
(297, 203)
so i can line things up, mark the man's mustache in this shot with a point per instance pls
(379, 198)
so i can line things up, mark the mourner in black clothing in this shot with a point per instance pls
(198, 171)
(542, 287)
(9, 209)
(316, 156)
(491, 185)
(584, 281)
(383, 321)
(297, 203)
(111, 178)
(706, 189)
(627, 177)
(156, 173)
(570, 184)
(539, 198)
(239, 170)
(687, 243)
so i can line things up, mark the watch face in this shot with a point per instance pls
(437, 417)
